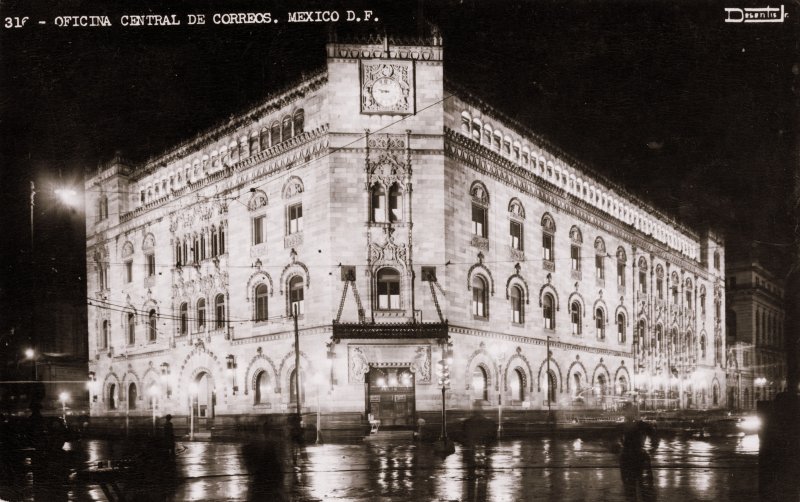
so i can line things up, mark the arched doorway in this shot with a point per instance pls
(112, 396)
(205, 397)
(602, 390)
(132, 394)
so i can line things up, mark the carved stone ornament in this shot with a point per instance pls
(387, 86)
(389, 252)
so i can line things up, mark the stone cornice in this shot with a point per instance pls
(490, 163)
(275, 159)
(281, 335)
(460, 92)
(537, 341)
(275, 101)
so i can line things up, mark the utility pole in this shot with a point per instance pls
(296, 362)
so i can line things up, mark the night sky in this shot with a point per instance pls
(692, 114)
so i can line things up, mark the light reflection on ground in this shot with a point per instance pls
(549, 469)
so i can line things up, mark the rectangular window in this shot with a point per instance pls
(258, 230)
(547, 247)
(575, 255)
(478, 220)
(600, 267)
(151, 264)
(389, 294)
(129, 271)
(620, 274)
(222, 228)
(516, 235)
(378, 206)
(203, 246)
(295, 218)
(643, 281)
(660, 288)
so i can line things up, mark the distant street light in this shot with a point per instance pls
(192, 394)
(153, 394)
(64, 397)
(31, 354)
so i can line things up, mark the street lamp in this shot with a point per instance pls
(319, 379)
(443, 444)
(31, 354)
(91, 386)
(153, 394)
(499, 354)
(192, 394)
(64, 397)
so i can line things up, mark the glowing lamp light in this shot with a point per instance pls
(29, 353)
(63, 397)
(153, 390)
(750, 424)
(67, 195)
(392, 381)
(381, 382)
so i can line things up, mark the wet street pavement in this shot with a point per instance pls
(525, 469)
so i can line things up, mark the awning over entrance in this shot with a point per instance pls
(415, 330)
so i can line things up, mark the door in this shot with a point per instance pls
(391, 396)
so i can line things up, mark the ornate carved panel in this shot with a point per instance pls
(416, 357)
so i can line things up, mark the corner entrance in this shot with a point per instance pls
(390, 396)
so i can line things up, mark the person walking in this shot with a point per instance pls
(169, 436)
(634, 461)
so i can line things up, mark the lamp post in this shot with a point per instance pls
(153, 394)
(444, 444)
(319, 379)
(64, 397)
(31, 354)
(192, 394)
(500, 356)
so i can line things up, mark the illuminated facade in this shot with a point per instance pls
(397, 214)
(757, 361)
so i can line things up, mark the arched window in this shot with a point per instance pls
(716, 260)
(517, 385)
(548, 233)
(577, 384)
(262, 387)
(184, 318)
(551, 386)
(621, 259)
(132, 394)
(296, 295)
(575, 317)
(299, 119)
(253, 144)
(103, 207)
(600, 322)
(131, 328)
(479, 297)
(517, 309)
(378, 198)
(395, 203)
(643, 276)
(622, 385)
(286, 128)
(263, 139)
(293, 387)
(214, 242)
(261, 302)
(549, 311)
(479, 223)
(104, 335)
(715, 395)
(152, 328)
(480, 384)
(703, 347)
(201, 314)
(640, 336)
(275, 133)
(717, 350)
(388, 289)
(112, 396)
(219, 311)
(675, 295)
(621, 327)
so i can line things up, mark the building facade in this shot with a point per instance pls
(404, 221)
(755, 334)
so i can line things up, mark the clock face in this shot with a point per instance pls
(386, 92)
(387, 87)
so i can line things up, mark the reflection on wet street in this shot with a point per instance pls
(524, 469)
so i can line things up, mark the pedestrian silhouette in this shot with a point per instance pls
(169, 437)
(634, 461)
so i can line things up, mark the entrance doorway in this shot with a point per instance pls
(390, 396)
(206, 396)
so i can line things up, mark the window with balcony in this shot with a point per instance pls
(575, 317)
(548, 311)
(296, 300)
(517, 305)
(600, 323)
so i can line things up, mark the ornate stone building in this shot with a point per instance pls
(757, 361)
(402, 218)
